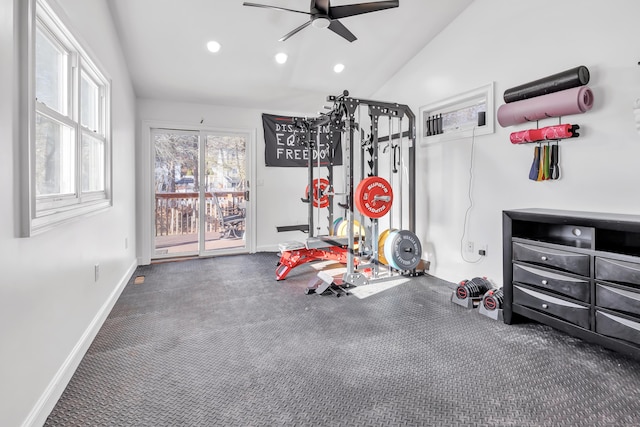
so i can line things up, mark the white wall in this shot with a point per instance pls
(50, 306)
(511, 43)
(277, 191)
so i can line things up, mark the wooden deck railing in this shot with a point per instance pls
(177, 213)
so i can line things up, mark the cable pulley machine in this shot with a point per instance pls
(354, 238)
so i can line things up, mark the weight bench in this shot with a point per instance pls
(294, 254)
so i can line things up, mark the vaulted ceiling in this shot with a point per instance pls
(165, 47)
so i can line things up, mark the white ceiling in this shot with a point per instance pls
(165, 47)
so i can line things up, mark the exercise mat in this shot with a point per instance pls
(568, 79)
(546, 133)
(564, 103)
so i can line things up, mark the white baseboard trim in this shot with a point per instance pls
(267, 248)
(60, 380)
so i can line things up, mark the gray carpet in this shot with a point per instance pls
(218, 342)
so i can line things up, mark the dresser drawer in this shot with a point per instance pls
(617, 271)
(617, 327)
(560, 283)
(618, 299)
(571, 312)
(563, 260)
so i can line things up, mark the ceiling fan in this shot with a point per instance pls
(323, 15)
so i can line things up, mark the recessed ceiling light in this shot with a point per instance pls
(338, 68)
(281, 58)
(213, 46)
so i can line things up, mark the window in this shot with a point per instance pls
(70, 151)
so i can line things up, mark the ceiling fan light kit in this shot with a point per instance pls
(323, 15)
(321, 22)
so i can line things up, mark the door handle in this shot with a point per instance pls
(246, 196)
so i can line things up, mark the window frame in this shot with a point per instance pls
(43, 212)
(481, 95)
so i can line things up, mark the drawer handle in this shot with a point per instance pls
(544, 282)
(544, 258)
(545, 306)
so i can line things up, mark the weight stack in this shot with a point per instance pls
(491, 305)
(469, 293)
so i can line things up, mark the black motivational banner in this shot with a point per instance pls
(284, 147)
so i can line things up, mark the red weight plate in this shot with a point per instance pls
(319, 187)
(373, 197)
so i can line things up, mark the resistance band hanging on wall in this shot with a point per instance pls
(545, 162)
(558, 95)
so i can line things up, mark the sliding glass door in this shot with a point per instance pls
(201, 192)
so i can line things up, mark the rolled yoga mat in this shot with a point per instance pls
(571, 101)
(574, 77)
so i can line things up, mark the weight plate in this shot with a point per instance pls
(373, 197)
(358, 230)
(320, 199)
(334, 227)
(383, 238)
(403, 250)
(388, 248)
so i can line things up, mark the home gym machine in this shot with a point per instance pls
(368, 202)
(316, 247)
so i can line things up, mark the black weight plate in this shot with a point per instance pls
(403, 250)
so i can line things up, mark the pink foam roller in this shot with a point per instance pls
(564, 103)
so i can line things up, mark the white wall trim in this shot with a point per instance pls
(145, 164)
(47, 401)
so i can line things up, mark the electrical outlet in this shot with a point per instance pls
(469, 246)
(96, 271)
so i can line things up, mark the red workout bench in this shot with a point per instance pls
(294, 254)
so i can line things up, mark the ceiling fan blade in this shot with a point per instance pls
(301, 27)
(337, 12)
(266, 6)
(338, 28)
